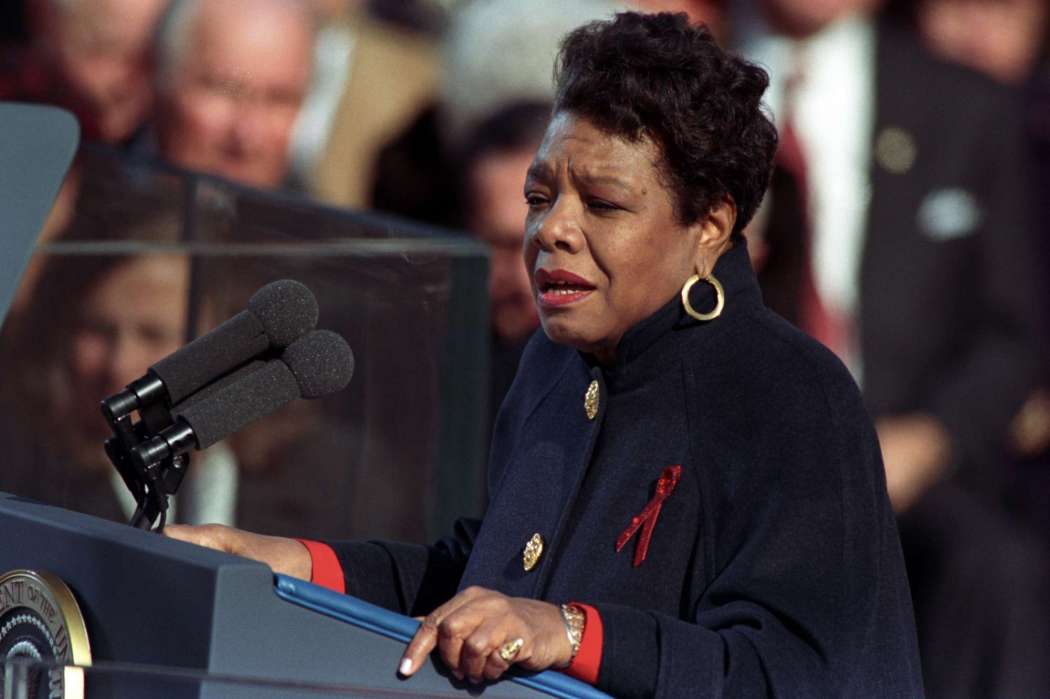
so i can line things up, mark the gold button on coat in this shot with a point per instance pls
(590, 400)
(533, 550)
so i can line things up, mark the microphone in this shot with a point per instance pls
(277, 315)
(315, 365)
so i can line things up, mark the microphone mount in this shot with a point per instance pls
(151, 474)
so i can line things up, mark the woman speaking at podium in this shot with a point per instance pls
(685, 493)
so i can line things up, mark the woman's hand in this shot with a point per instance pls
(470, 629)
(285, 556)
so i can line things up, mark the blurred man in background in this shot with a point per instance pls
(231, 77)
(1004, 39)
(92, 57)
(899, 233)
(496, 157)
(1009, 41)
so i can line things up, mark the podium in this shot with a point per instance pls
(151, 601)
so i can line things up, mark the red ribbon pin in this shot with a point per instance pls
(646, 521)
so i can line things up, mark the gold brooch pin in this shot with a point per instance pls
(590, 400)
(533, 550)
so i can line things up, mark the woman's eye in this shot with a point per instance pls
(533, 199)
(601, 205)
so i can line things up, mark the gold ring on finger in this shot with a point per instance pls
(509, 650)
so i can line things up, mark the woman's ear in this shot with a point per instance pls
(715, 231)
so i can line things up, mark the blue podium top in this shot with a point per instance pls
(402, 628)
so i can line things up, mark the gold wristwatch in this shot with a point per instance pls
(574, 620)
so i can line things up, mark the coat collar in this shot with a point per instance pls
(640, 353)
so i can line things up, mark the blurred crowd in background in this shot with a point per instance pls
(906, 225)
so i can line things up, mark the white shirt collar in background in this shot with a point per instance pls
(834, 121)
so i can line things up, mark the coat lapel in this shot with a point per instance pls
(530, 504)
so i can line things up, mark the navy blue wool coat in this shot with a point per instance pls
(774, 567)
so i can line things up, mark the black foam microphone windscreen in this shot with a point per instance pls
(315, 365)
(321, 362)
(276, 316)
(252, 393)
(286, 309)
(222, 384)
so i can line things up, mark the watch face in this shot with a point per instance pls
(40, 622)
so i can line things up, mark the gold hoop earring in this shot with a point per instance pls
(720, 296)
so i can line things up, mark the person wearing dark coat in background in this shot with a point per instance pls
(692, 479)
(915, 225)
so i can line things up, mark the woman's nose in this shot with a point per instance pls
(127, 362)
(560, 227)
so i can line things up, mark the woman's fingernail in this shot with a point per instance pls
(406, 666)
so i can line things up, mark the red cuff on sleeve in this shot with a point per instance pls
(326, 569)
(584, 666)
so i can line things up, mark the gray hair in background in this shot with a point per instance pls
(500, 51)
(173, 34)
(172, 39)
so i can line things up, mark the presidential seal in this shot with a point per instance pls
(41, 622)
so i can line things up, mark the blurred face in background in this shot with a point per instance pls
(132, 317)
(99, 54)
(1001, 38)
(498, 218)
(800, 18)
(232, 91)
(707, 12)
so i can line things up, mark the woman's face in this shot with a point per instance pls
(603, 247)
(133, 317)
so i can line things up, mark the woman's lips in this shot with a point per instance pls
(560, 287)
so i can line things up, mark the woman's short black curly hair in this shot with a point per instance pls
(657, 76)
